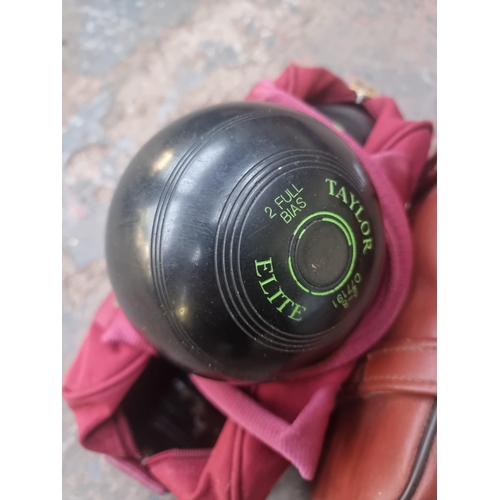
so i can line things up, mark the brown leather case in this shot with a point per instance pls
(382, 439)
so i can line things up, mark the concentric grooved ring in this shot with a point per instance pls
(228, 242)
(157, 236)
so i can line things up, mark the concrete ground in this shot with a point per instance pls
(132, 66)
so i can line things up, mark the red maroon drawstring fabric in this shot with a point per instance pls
(269, 425)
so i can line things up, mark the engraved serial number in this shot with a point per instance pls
(348, 293)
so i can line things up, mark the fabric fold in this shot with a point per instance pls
(269, 425)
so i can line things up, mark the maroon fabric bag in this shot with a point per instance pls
(269, 425)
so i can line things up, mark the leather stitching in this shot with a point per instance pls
(400, 349)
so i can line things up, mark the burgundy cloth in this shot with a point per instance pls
(269, 425)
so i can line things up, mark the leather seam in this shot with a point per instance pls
(421, 455)
(400, 349)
